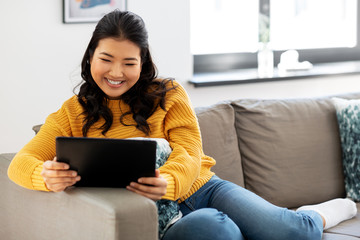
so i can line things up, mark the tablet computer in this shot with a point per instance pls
(104, 162)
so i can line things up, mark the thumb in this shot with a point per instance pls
(157, 173)
(55, 159)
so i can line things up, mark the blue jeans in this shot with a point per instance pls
(224, 210)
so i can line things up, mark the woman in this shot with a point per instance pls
(121, 97)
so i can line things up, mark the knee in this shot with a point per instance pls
(207, 223)
(213, 224)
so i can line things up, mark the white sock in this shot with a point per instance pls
(333, 211)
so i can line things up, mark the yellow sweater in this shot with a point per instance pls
(186, 170)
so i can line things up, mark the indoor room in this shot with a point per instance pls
(261, 128)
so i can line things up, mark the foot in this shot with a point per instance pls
(334, 211)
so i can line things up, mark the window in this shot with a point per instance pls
(218, 26)
(225, 33)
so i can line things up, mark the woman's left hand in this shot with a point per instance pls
(150, 187)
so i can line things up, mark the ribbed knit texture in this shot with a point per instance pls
(186, 170)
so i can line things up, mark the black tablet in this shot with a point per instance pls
(104, 162)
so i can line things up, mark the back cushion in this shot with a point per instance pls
(290, 150)
(220, 141)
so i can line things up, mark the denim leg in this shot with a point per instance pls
(256, 218)
(204, 224)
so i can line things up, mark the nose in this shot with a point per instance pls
(116, 71)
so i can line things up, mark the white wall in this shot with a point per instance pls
(40, 57)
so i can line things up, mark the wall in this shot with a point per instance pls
(40, 57)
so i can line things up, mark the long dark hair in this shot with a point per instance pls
(144, 97)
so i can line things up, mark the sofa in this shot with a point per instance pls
(286, 150)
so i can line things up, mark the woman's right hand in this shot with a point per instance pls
(57, 175)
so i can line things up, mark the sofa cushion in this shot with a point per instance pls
(334, 236)
(290, 150)
(220, 141)
(348, 115)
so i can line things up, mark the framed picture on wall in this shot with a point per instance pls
(87, 11)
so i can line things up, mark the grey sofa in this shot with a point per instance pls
(287, 151)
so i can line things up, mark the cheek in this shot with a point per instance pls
(93, 70)
(134, 74)
(96, 70)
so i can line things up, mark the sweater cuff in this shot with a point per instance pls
(170, 191)
(38, 180)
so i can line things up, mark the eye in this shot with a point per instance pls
(105, 60)
(130, 64)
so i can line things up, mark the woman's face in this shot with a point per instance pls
(115, 66)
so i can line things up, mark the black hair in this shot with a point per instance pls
(144, 97)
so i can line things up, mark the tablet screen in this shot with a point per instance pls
(104, 162)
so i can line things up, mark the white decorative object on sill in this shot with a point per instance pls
(289, 61)
(265, 59)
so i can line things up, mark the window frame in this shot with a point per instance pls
(230, 61)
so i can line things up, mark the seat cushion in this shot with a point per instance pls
(220, 141)
(290, 150)
(332, 236)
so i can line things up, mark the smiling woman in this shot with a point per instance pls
(120, 97)
(116, 66)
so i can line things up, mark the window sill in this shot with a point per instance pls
(242, 76)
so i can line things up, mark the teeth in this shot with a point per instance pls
(114, 82)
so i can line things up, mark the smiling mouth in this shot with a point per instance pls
(114, 82)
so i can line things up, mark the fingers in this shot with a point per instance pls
(157, 173)
(63, 180)
(56, 165)
(155, 182)
(145, 192)
(153, 187)
(58, 184)
(57, 175)
(59, 187)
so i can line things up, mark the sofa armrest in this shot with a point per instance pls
(77, 213)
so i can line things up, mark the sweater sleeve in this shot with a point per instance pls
(26, 166)
(182, 131)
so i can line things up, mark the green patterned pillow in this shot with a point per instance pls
(168, 211)
(348, 115)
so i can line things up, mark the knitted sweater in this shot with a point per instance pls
(186, 170)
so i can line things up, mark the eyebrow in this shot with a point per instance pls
(109, 55)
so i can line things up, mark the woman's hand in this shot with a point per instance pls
(150, 187)
(57, 175)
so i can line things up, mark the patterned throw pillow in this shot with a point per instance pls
(348, 115)
(168, 211)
